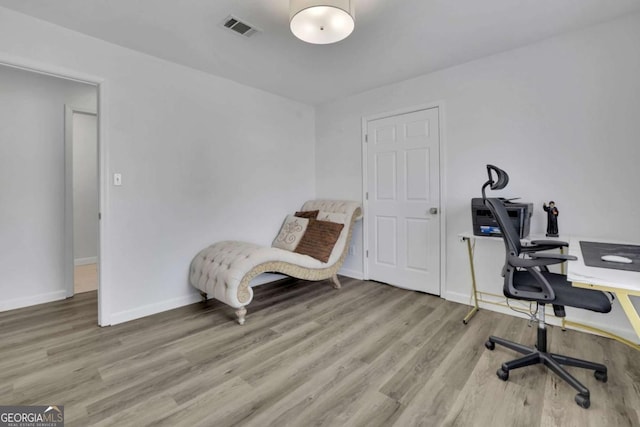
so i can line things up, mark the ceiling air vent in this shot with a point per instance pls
(239, 27)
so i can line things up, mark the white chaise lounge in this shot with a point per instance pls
(224, 270)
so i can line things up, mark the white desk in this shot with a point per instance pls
(621, 283)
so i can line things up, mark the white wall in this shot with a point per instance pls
(561, 116)
(85, 188)
(32, 184)
(202, 159)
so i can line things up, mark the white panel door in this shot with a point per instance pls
(403, 186)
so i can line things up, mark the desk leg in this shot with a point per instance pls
(629, 310)
(563, 266)
(602, 332)
(473, 284)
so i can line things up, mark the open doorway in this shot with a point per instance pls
(37, 260)
(81, 184)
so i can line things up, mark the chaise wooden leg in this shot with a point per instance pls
(204, 296)
(336, 282)
(240, 313)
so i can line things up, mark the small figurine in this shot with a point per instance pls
(552, 219)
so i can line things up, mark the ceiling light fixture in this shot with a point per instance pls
(321, 21)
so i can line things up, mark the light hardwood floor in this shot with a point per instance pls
(85, 278)
(366, 355)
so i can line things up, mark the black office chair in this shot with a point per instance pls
(526, 277)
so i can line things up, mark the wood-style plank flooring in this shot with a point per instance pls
(85, 278)
(366, 355)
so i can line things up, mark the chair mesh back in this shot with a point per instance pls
(509, 233)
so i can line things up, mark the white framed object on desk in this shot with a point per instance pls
(622, 283)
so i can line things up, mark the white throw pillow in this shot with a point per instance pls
(340, 218)
(290, 233)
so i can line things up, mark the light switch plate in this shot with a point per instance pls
(117, 179)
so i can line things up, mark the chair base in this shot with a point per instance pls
(533, 356)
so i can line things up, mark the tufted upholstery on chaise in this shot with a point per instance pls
(225, 269)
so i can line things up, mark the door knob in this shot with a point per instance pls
(433, 211)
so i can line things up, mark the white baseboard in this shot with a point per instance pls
(457, 297)
(32, 300)
(628, 334)
(85, 261)
(466, 300)
(354, 274)
(148, 310)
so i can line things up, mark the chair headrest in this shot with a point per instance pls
(501, 180)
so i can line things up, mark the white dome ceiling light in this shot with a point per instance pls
(321, 21)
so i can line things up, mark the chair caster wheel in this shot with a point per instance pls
(502, 374)
(601, 376)
(490, 345)
(582, 401)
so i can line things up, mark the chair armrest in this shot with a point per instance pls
(545, 294)
(559, 257)
(548, 293)
(554, 243)
(530, 262)
(532, 266)
(543, 245)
